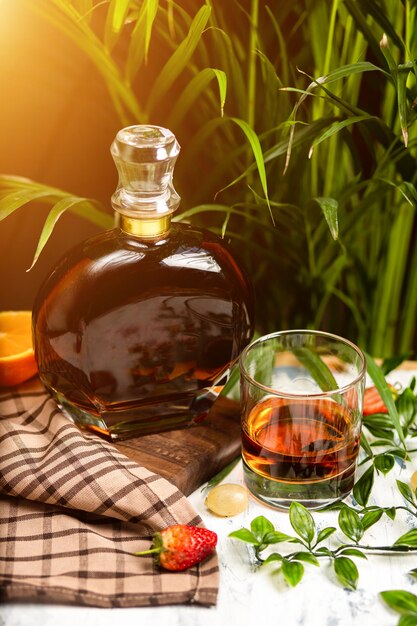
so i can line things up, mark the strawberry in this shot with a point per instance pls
(372, 401)
(180, 546)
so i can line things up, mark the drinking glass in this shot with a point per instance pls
(301, 403)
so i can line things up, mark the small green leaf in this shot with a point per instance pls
(350, 524)
(244, 535)
(406, 492)
(353, 552)
(363, 487)
(271, 558)
(371, 517)
(260, 526)
(384, 462)
(378, 419)
(391, 512)
(335, 506)
(413, 573)
(385, 435)
(325, 551)
(305, 557)
(324, 533)
(277, 537)
(302, 522)
(399, 452)
(292, 571)
(408, 539)
(346, 571)
(365, 445)
(403, 602)
(407, 407)
(330, 206)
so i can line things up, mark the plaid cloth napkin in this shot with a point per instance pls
(73, 509)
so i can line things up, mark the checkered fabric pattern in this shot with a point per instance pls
(73, 509)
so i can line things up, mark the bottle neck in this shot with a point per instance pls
(144, 228)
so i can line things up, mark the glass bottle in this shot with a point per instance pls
(135, 329)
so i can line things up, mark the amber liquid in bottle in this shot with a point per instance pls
(135, 330)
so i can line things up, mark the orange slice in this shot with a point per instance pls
(17, 360)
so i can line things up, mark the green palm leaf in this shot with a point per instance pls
(141, 38)
(180, 58)
(195, 87)
(20, 191)
(116, 15)
(84, 207)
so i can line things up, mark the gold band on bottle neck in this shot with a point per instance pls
(145, 228)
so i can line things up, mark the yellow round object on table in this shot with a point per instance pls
(227, 500)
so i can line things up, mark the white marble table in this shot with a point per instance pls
(247, 596)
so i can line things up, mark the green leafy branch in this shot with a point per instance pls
(388, 434)
(262, 534)
(372, 514)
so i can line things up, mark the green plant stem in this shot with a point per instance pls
(381, 549)
(337, 551)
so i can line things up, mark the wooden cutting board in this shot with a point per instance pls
(190, 457)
